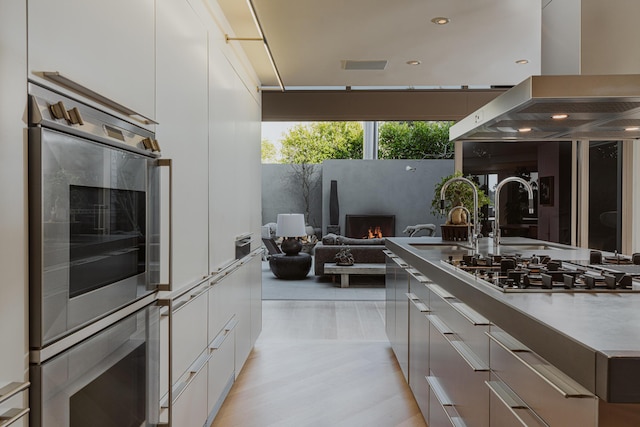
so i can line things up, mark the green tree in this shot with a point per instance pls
(318, 141)
(415, 140)
(268, 152)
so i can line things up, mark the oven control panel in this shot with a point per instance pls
(51, 109)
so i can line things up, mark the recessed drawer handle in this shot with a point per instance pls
(439, 325)
(472, 359)
(472, 316)
(12, 415)
(512, 402)
(439, 392)
(11, 389)
(419, 305)
(216, 343)
(437, 289)
(555, 378)
(418, 275)
(445, 402)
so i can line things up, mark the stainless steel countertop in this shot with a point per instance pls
(592, 337)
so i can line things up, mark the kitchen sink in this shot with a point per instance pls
(530, 247)
(447, 246)
(533, 246)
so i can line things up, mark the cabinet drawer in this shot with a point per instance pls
(466, 323)
(189, 330)
(442, 412)
(552, 395)
(221, 304)
(190, 405)
(221, 367)
(419, 353)
(507, 409)
(460, 373)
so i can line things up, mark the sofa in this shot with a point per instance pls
(363, 250)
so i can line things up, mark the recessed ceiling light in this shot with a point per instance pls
(559, 116)
(522, 61)
(440, 20)
(414, 62)
(632, 128)
(524, 130)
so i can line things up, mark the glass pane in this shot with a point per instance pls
(605, 195)
(107, 236)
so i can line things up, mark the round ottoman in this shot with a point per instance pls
(290, 267)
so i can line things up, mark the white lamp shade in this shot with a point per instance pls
(290, 225)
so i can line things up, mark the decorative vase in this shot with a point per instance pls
(334, 208)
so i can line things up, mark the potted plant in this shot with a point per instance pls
(458, 194)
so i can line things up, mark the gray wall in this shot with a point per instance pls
(282, 193)
(364, 187)
(384, 187)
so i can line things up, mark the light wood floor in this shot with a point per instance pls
(321, 364)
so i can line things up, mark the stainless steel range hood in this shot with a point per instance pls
(597, 107)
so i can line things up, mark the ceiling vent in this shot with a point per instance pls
(364, 65)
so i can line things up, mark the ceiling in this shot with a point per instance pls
(311, 39)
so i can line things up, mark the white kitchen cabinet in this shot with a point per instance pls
(242, 299)
(233, 157)
(190, 396)
(189, 329)
(108, 47)
(13, 210)
(221, 368)
(182, 111)
(255, 274)
(221, 302)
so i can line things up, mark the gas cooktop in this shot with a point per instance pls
(542, 274)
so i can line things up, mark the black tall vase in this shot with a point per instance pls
(334, 208)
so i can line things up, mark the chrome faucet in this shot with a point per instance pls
(496, 221)
(473, 239)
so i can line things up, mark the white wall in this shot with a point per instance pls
(609, 41)
(561, 37)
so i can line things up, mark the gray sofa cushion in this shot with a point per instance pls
(334, 239)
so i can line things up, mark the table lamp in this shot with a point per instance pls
(291, 227)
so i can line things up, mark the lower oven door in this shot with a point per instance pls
(110, 379)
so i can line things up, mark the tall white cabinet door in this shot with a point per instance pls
(183, 133)
(234, 159)
(14, 353)
(105, 46)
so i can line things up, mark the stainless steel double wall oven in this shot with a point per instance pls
(94, 264)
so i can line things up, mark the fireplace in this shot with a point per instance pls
(370, 226)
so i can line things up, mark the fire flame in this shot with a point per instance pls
(374, 233)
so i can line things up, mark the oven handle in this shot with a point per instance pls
(101, 99)
(168, 286)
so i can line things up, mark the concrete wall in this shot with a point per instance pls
(364, 187)
(282, 193)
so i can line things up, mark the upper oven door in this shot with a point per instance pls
(91, 221)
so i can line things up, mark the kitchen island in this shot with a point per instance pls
(584, 345)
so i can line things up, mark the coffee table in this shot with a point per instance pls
(360, 269)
